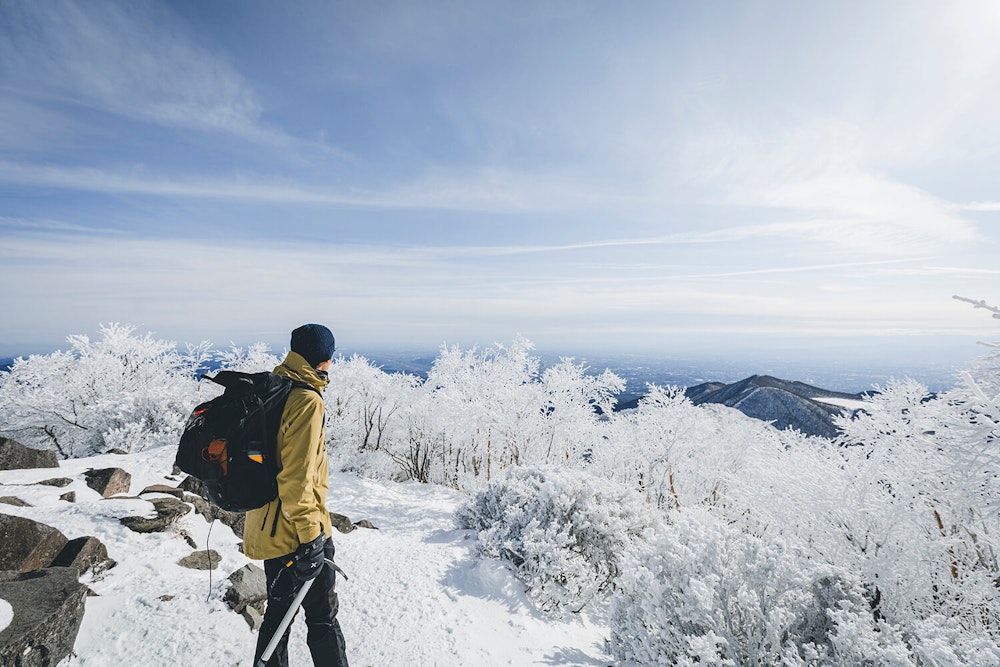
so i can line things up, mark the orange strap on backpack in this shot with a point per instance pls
(216, 452)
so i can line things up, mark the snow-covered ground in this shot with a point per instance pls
(418, 593)
(849, 403)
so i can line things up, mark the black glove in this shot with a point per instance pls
(309, 558)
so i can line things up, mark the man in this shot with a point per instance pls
(291, 534)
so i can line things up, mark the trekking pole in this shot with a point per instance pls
(285, 622)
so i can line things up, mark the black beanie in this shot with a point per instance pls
(314, 342)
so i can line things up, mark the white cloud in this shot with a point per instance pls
(188, 291)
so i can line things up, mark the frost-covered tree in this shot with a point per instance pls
(368, 412)
(120, 392)
(487, 410)
(254, 358)
(931, 466)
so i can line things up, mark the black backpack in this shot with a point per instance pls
(229, 442)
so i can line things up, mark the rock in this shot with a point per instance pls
(108, 481)
(168, 510)
(57, 481)
(27, 545)
(235, 520)
(365, 523)
(163, 488)
(15, 456)
(165, 598)
(69, 496)
(13, 500)
(248, 586)
(253, 617)
(201, 560)
(84, 553)
(341, 522)
(48, 607)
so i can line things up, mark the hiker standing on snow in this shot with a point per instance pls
(291, 534)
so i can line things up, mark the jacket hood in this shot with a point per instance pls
(296, 367)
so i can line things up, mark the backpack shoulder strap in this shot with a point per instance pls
(299, 384)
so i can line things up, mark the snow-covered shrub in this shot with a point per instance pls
(121, 392)
(706, 592)
(565, 531)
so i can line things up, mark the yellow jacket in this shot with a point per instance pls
(299, 512)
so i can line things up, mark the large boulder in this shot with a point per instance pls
(247, 594)
(27, 545)
(48, 607)
(108, 481)
(247, 586)
(15, 456)
(84, 553)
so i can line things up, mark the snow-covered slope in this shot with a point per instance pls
(418, 593)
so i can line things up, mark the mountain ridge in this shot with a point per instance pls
(783, 403)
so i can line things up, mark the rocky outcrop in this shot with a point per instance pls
(15, 456)
(163, 488)
(27, 545)
(57, 481)
(344, 524)
(84, 553)
(168, 510)
(212, 512)
(201, 560)
(48, 607)
(108, 481)
(13, 500)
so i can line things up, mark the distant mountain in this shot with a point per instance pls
(783, 403)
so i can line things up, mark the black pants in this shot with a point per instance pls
(325, 639)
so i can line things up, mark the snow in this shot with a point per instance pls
(418, 593)
(849, 403)
(6, 614)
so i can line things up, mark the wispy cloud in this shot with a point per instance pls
(135, 59)
(489, 192)
(46, 225)
(981, 206)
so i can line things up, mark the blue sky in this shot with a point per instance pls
(745, 177)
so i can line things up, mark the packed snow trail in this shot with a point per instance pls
(418, 594)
